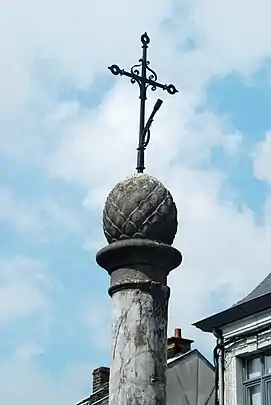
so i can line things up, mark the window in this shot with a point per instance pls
(257, 380)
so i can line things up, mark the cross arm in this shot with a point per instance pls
(170, 88)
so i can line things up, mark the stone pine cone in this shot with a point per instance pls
(140, 207)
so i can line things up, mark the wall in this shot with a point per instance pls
(234, 352)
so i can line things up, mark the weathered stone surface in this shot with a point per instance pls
(138, 363)
(140, 207)
(138, 286)
(147, 259)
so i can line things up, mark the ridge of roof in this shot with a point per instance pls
(184, 356)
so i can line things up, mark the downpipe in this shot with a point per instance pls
(219, 360)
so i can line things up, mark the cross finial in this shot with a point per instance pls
(147, 78)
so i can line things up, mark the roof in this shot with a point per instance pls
(263, 288)
(98, 397)
(182, 357)
(256, 301)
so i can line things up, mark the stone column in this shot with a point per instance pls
(138, 269)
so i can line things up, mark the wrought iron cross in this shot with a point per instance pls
(144, 81)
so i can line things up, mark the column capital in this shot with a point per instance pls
(138, 260)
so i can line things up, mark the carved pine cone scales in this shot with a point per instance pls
(140, 207)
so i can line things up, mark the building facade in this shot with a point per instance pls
(244, 348)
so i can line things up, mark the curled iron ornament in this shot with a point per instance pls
(115, 70)
(171, 89)
(145, 39)
(135, 72)
(147, 78)
(152, 76)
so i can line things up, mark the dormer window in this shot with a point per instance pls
(257, 380)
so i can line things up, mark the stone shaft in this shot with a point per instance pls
(138, 270)
(138, 359)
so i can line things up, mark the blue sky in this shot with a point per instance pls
(68, 133)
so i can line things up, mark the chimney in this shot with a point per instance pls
(100, 378)
(177, 344)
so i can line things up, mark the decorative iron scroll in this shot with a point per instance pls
(148, 77)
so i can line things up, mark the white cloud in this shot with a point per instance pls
(237, 44)
(33, 384)
(62, 216)
(225, 250)
(56, 44)
(261, 158)
(22, 292)
(36, 215)
(98, 323)
(223, 41)
(77, 38)
(17, 213)
(25, 296)
(26, 352)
